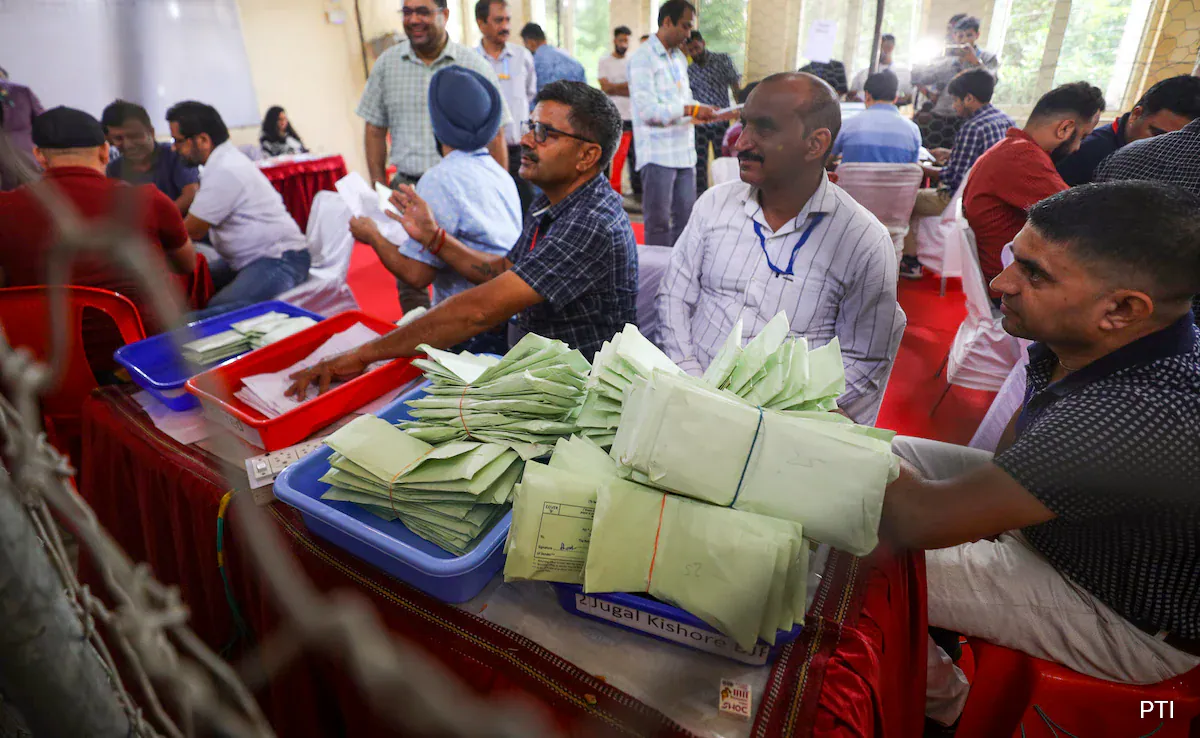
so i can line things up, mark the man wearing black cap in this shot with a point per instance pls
(69, 145)
(571, 276)
(470, 195)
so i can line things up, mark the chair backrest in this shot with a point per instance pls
(953, 210)
(26, 318)
(252, 151)
(979, 303)
(652, 265)
(889, 191)
(724, 169)
(328, 233)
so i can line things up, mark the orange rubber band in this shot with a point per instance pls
(402, 472)
(461, 418)
(653, 556)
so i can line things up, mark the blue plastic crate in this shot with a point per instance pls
(389, 545)
(648, 616)
(156, 366)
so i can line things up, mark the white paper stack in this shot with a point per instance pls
(265, 392)
(243, 336)
(525, 401)
(450, 495)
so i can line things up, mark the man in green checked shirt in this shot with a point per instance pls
(395, 101)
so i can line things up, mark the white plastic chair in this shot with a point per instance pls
(983, 353)
(724, 169)
(652, 265)
(889, 191)
(330, 245)
(937, 236)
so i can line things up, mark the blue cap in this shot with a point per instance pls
(465, 108)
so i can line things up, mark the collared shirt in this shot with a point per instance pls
(1080, 167)
(397, 98)
(1011, 177)
(1173, 158)
(658, 85)
(879, 134)
(844, 285)
(247, 215)
(833, 72)
(710, 80)
(903, 76)
(980, 132)
(1111, 450)
(937, 77)
(616, 70)
(476, 201)
(518, 84)
(169, 172)
(554, 64)
(579, 255)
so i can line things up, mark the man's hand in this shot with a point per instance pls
(940, 155)
(344, 366)
(703, 114)
(365, 230)
(970, 57)
(934, 175)
(415, 215)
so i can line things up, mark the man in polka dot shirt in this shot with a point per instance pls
(1079, 540)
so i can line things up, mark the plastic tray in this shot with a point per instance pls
(648, 616)
(215, 387)
(155, 365)
(389, 545)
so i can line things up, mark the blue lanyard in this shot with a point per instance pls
(504, 74)
(762, 241)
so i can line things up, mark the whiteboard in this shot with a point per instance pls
(87, 53)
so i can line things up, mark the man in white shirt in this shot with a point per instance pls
(262, 251)
(513, 65)
(614, 80)
(785, 238)
(887, 50)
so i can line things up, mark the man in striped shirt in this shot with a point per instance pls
(785, 238)
(879, 134)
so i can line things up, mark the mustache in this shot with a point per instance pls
(748, 156)
(504, 34)
(527, 153)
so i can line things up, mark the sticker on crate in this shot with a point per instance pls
(672, 630)
(735, 699)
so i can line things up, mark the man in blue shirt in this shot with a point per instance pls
(127, 127)
(551, 64)
(470, 195)
(879, 134)
(571, 276)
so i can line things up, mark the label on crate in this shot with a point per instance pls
(735, 699)
(672, 630)
(218, 415)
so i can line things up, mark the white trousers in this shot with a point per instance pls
(1008, 594)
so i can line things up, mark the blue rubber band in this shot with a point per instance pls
(746, 466)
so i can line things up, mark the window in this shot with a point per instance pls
(546, 14)
(593, 34)
(723, 23)
(1097, 43)
(901, 18)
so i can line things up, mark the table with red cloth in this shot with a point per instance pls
(857, 669)
(299, 181)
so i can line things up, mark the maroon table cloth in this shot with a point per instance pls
(857, 670)
(300, 181)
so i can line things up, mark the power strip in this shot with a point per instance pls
(262, 469)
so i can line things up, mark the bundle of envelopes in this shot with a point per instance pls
(450, 495)
(243, 336)
(525, 401)
(815, 468)
(576, 521)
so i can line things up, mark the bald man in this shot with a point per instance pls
(786, 238)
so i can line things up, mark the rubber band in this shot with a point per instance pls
(654, 555)
(402, 472)
(461, 418)
(749, 454)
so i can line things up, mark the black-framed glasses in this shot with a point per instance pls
(543, 130)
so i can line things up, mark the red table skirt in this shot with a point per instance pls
(300, 181)
(858, 669)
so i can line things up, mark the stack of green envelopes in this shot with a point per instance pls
(576, 521)
(525, 401)
(818, 469)
(450, 495)
(244, 335)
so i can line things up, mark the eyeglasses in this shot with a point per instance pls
(422, 13)
(542, 130)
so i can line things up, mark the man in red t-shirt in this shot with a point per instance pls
(70, 147)
(1019, 171)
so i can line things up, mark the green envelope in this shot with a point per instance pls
(551, 525)
(628, 356)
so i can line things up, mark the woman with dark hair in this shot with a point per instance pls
(278, 137)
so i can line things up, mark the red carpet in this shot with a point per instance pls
(911, 392)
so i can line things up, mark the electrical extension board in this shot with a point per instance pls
(263, 469)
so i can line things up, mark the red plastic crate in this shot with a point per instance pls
(215, 387)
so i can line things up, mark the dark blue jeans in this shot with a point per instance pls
(261, 279)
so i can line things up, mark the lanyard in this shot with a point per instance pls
(504, 74)
(762, 241)
(536, 229)
(674, 71)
